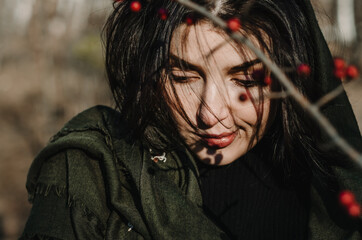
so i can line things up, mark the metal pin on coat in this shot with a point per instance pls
(161, 158)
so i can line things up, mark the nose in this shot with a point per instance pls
(213, 107)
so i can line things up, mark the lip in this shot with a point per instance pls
(219, 140)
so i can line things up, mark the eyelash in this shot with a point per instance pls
(248, 82)
(182, 79)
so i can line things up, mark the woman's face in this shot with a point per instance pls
(212, 80)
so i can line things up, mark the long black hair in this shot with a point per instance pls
(137, 48)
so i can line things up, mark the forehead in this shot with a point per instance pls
(203, 42)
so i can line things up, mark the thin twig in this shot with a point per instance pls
(275, 95)
(313, 110)
(329, 96)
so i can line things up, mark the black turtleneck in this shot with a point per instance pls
(248, 201)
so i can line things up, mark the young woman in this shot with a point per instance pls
(199, 148)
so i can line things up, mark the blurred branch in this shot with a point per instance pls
(330, 96)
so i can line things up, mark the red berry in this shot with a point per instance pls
(267, 80)
(162, 13)
(135, 6)
(259, 75)
(189, 20)
(352, 72)
(234, 24)
(346, 198)
(339, 63)
(339, 73)
(303, 70)
(354, 210)
(243, 97)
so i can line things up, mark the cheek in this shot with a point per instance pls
(242, 105)
(188, 100)
(183, 100)
(266, 112)
(245, 109)
(245, 115)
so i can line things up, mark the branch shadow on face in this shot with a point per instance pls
(214, 157)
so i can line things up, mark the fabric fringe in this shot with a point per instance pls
(77, 205)
(35, 236)
(73, 203)
(44, 189)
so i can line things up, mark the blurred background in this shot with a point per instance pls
(51, 68)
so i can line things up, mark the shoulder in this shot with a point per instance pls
(99, 118)
(77, 164)
(76, 169)
(89, 140)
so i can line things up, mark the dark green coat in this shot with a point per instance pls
(90, 183)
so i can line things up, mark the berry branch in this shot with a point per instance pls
(312, 109)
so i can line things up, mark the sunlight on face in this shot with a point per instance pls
(212, 80)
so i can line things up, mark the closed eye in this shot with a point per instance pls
(246, 81)
(183, 77)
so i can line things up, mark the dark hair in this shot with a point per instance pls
(137, 50)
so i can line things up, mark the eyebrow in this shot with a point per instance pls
(244, 66)
(178, 62)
